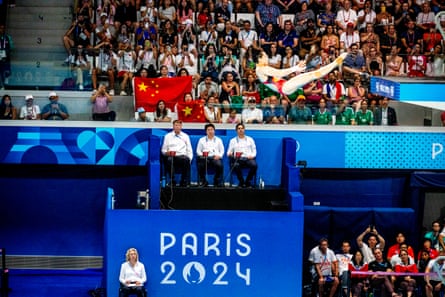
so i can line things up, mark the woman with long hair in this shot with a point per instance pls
(7, 110)
(359, 283)
(162, 113)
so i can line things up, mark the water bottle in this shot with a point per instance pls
(261, 183)
(147, 199)
(163, 182)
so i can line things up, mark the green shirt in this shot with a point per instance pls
(344, 117)
(322, 118)
(366, 118)
(300, 116)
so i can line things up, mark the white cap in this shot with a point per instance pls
(52, 94)
(28, 97)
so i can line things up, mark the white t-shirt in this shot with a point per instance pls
(325, 261)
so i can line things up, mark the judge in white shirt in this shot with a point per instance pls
(132, 275)
(178, 153)
(210, 151)
(242, 154)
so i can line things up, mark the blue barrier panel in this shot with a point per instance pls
(208, 253)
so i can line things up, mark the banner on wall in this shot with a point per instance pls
(209, 253)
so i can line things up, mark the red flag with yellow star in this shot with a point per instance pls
(191, 111)
(148, 91)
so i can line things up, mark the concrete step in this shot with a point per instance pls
(48, 54)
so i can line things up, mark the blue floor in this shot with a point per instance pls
(46, 283)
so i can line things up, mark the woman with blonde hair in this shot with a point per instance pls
(132, 275)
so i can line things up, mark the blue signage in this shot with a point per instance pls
(208, 253)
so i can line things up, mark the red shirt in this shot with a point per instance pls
(363, 268)
(406, 268)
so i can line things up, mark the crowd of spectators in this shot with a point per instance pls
(370, 265)
(210, 41)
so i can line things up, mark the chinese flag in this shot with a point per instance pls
(148, 91)
(191, 112)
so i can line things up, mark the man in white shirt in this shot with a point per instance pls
(252, 114)
(242, 154)
(326, 268)
(210, 151)
(247, 37)
(434, 282)
(345, 16)
(178, 153)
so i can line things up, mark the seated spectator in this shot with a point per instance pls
(382, 282)
(290, 59)
(274, 57)
(250, 87)
(212, 112)
(268, 37)
(410, 38)
(80, 66)
(322, 116)
(126, 67)
(346, 16)
(393, 62)
(388, 40)
(233, 117)
(242, 153)
(356, 92)
(162, 113)
(251, 114)
(349, 38)
(403, 16)
(132, 275)
(433, 234)
(433, 277)
(300, 113)
(330, 40)
(326, 18)
(369, 39)
(313, 92)
(354, 62)
(142, 115)
(344, 114)
(427, 248)
(229, 87)
(223, 12)
(187, 60)
(188, 37)
(287, 37)
(204, 17)
(148, 10)
(146, 32)
(107, 60)
(125, 13)
(169, 36)
(101, 100)
(247, 38)
(313, 59)
(148, 55)
(54, 110)
(178, 153)
(208, 36)
(364, 116)
(309, 38)
(301, 19)
(374, 62)
(406, 283)
(184, 11)
(208, 86)
(431, 38)
(7, 110)
(248, 63)
(167, 14)
(229, 63)
(273, 112)
(210, 63)
(425, 18)
(108, 8)
(333, 90)
(385, 115)
(416, 62)
(78, 34)
(209, 152)
(344, 259)
(266, 13)
(359, 283)
(395, 258)
(383, 18)
(29, 111)
(366, 16)
(375, 240)
(326, 269)
(104, 32)
(228, 37)
(395, 248)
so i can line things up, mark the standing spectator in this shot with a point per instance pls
(54, 110)
(242, 153)
(6, 46)
(268, 12)
(30, 111)
(101, 100)
(209, 152)
(178, 153)
(7, 109)
(80, 66)
(107, 60)
(416, 62)
(385, 115)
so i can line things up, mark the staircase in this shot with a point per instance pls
(37, 28)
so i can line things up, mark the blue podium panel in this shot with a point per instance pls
(208, 253)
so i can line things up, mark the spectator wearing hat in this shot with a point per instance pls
(349, 37)
(251, 114)
(142, 115)
(29, 111)
(300, 113)
(101, 100)
(54, 110)
(345, 16)
(104, 32)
